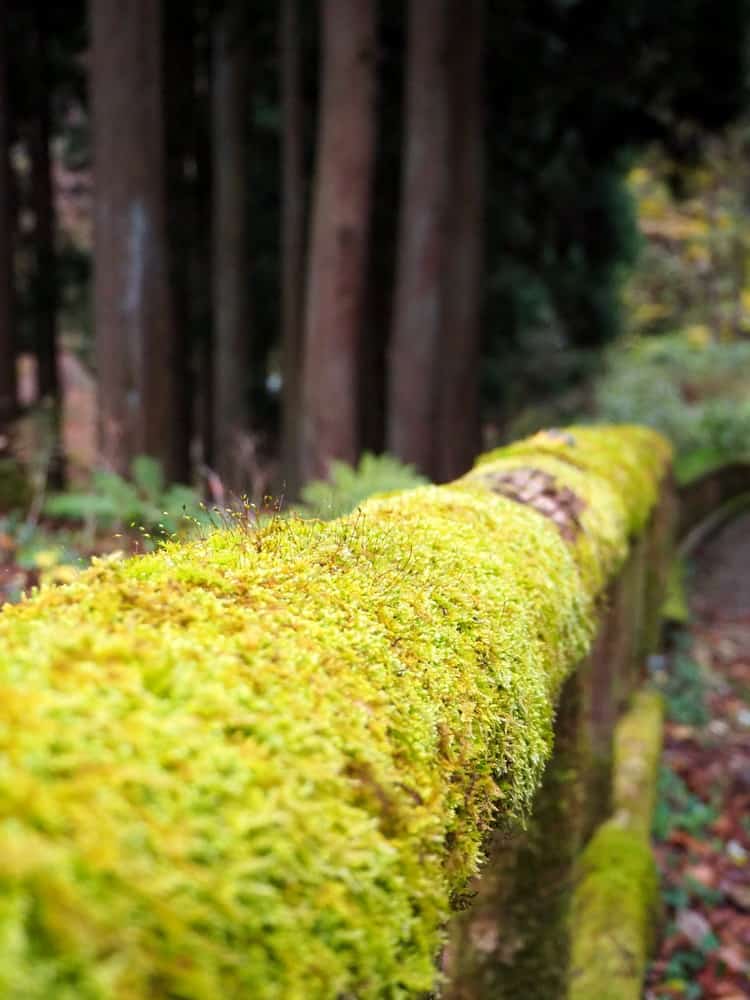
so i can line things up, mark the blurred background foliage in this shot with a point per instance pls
(611, 211)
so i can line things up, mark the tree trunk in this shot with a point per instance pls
(292, 240)
(8, 400)
(458, 425)
(201, 278)
(381, 268)
(231, 253)
(137, 343)
(45, 279)
(340, 229)
(418, 319)
(182, 211)
(45, 255)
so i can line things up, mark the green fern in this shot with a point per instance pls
(144, 500)
(349, 486)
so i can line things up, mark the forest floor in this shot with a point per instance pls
(702, 824)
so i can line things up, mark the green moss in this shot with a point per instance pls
(675, 606)
(614, 910)
(637, 754)
(615, 454)
(616, 898)
(514, 940)
(263, 763)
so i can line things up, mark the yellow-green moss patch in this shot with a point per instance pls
(616, 898)
(614, 910)
(638, 742)
(261, 764)
(613, 453)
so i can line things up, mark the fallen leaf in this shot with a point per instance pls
(703, 874)
(694, 926)
(739, 893)
(733, 959)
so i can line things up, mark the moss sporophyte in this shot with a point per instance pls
(262, 764)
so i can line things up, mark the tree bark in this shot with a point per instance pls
(45, 288)
(458, 424)
(418, 306)
(182, 211)
(292, 240)
(231, 253)
(45, 278)
(200, 251)
(340, 230)
(137, 343)
(8, 398)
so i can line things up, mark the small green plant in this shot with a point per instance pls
(681, 970)
(689, 892)
(677, 808)
(684, 687)
(145, 500)
(349, 486)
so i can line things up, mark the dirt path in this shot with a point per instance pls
(703, 820)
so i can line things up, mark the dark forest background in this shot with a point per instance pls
(284, 233)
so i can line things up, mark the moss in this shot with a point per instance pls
(264, 763)
(514, 940)
(675, 607)
(637, 752)
(616, 897)
(613, 453)
(614, 911)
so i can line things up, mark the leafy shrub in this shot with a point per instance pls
(145, 500)
(349, 486)
(687, 386)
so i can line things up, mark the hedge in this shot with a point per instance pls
(262, 763)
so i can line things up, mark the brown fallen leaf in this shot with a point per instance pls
(738, 892)
(703, 874)
(733, 958)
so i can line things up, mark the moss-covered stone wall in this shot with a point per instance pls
(615, 902)
(265, 763)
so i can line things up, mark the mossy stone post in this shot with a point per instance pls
(615, 903)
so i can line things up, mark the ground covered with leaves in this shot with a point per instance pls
(702, 824)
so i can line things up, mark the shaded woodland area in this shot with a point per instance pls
(285, 233)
